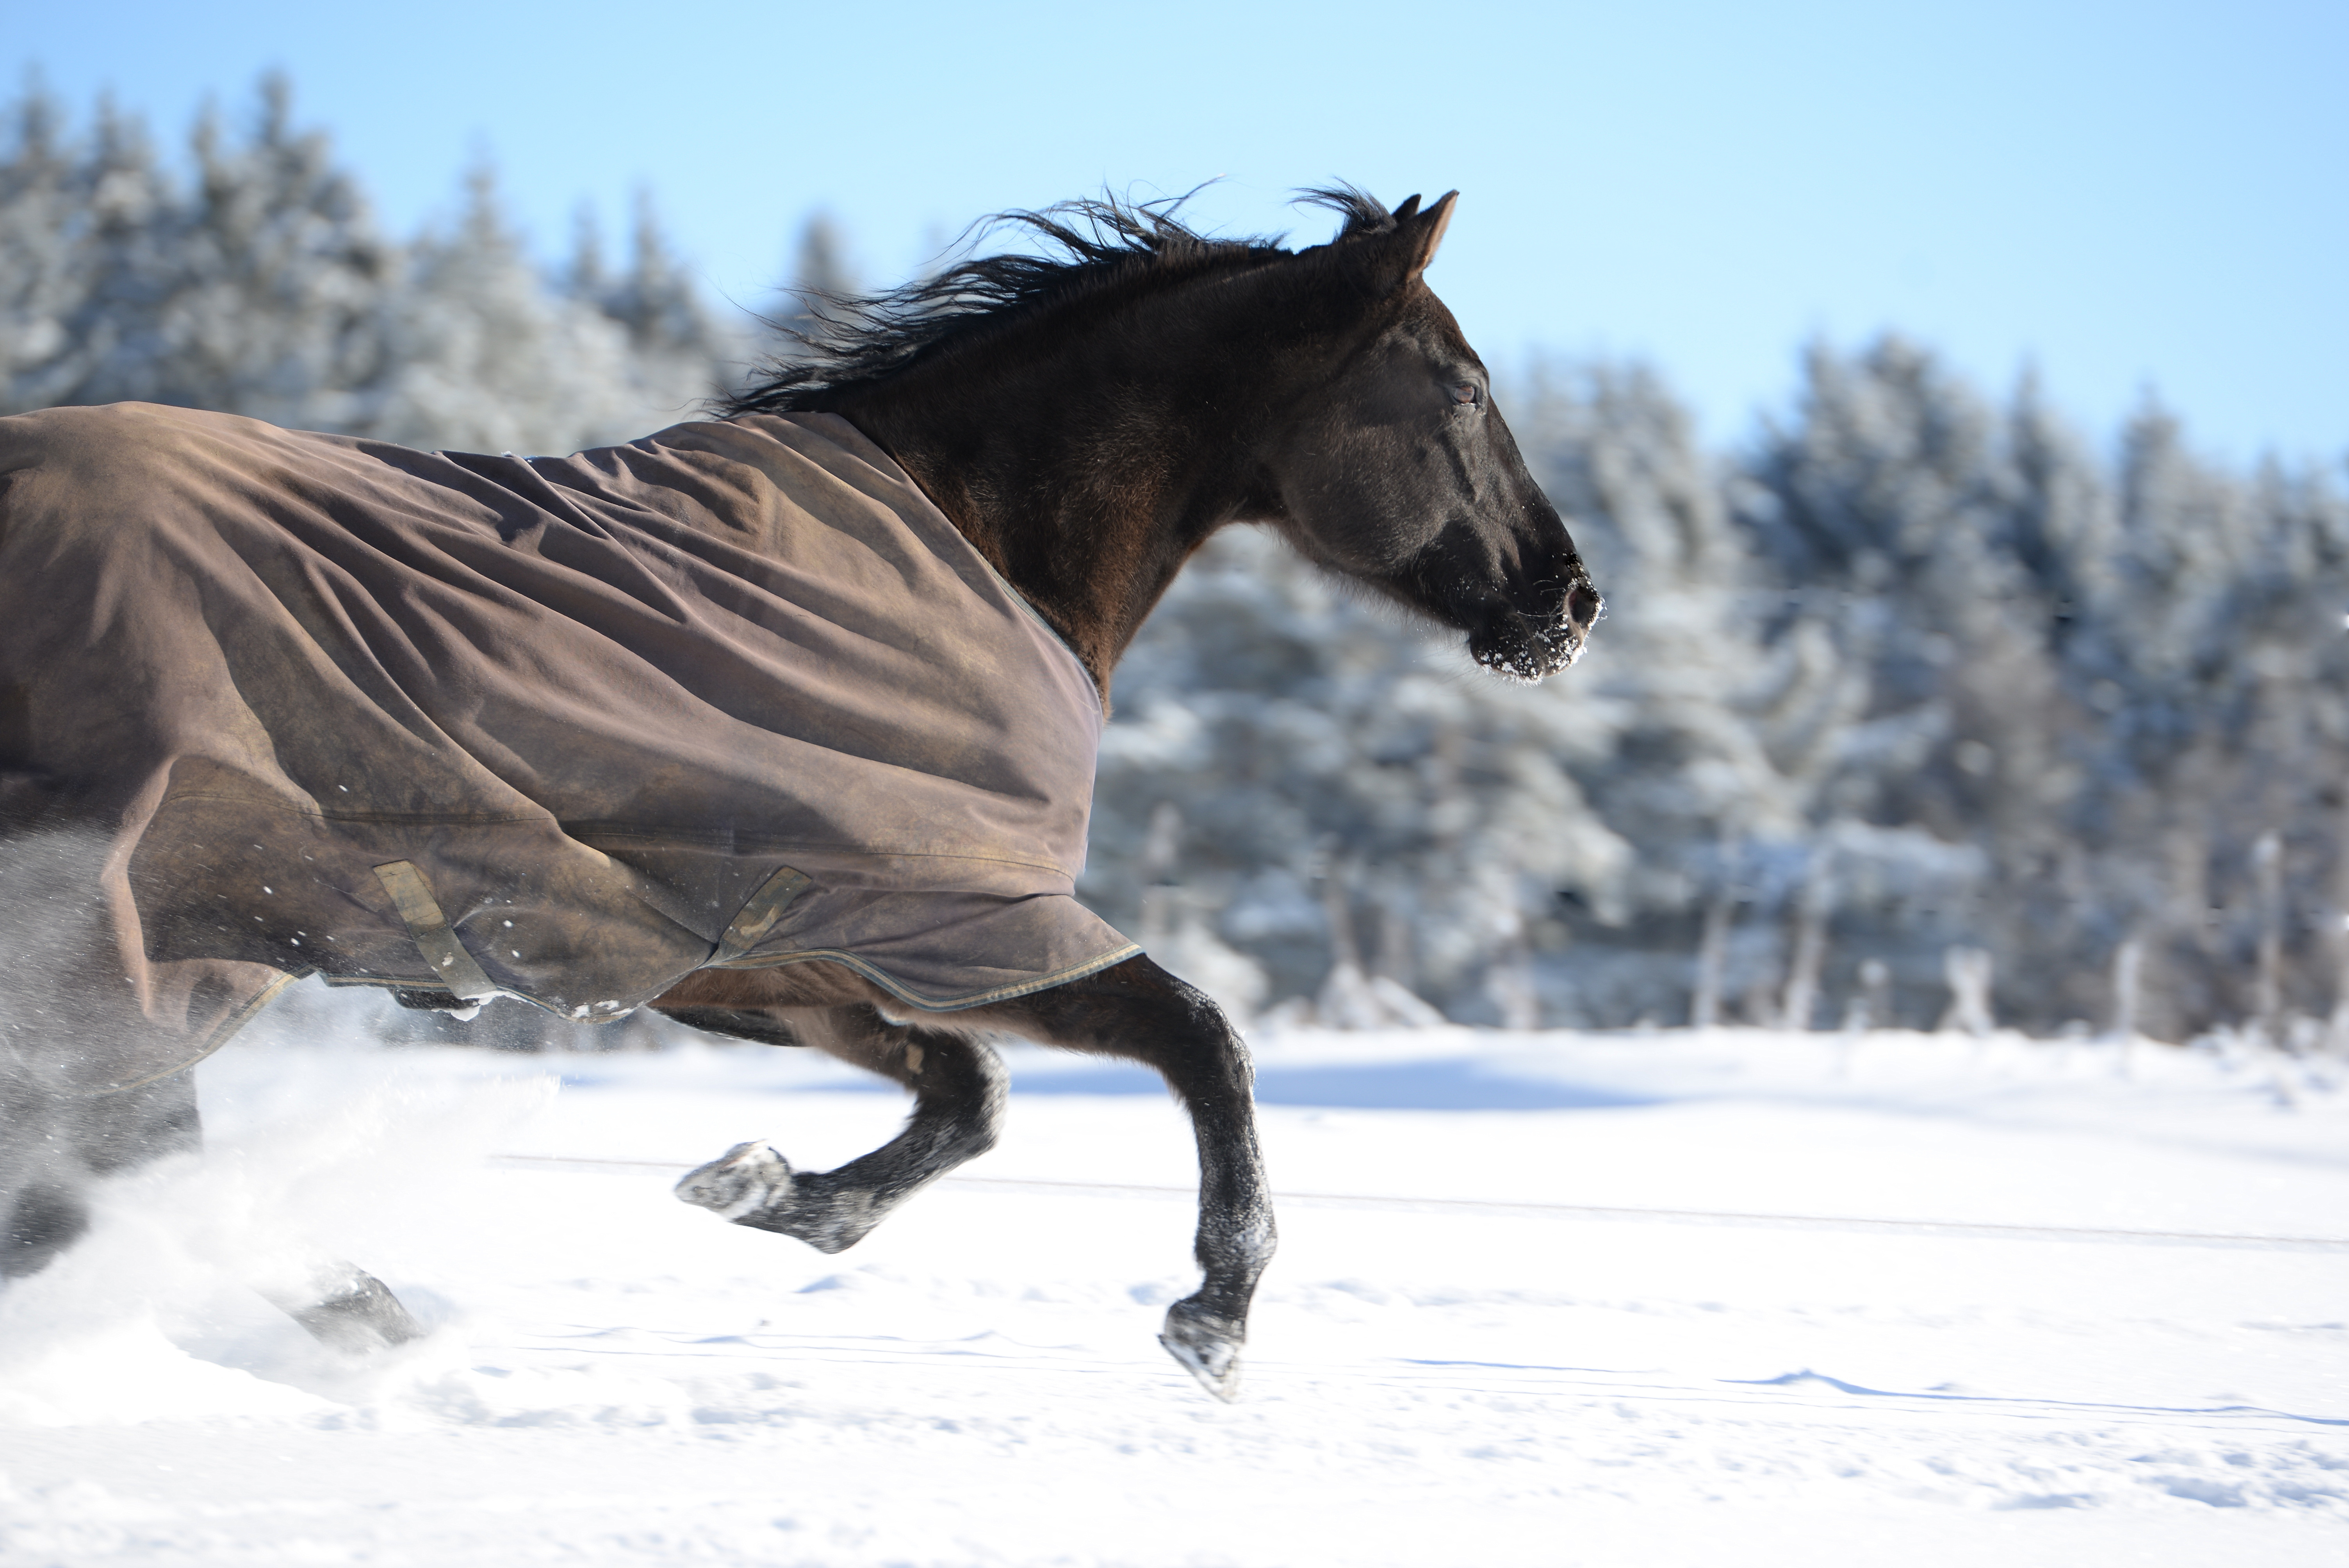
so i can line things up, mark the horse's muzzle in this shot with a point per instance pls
(1529, 647)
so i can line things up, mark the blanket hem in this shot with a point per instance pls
(222, 1033)
(914, 998)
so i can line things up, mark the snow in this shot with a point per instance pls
(1542, 1298)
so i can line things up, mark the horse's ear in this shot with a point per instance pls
(1388, 259)
(1424, 232)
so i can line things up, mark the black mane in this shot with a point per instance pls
(1091, 245)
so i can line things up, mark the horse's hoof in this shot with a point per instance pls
(740, 1183)
(345, 1309)
(754, 1185)
(1208, 1347)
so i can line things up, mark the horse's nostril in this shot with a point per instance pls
(1583, 604)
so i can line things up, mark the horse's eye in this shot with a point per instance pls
(1468, 393)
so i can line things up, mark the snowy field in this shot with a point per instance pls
(1542, 1298)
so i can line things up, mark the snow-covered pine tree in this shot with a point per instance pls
(262, 287)
(1317, 747)
(2222, 667)
(40, 283)
(677, 353)
(254, 291)
(486, 357)
(83, 245)
(1689, 778)
(1886, 512)
(819, 266)
(273, 282)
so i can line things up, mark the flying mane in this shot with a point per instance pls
(1094, 247)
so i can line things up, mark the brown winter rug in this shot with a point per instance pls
(561, 728)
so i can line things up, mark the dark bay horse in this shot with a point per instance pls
(1083, 419)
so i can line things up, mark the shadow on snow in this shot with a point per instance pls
(1444, 1085)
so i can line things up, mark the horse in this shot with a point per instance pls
(1030, 443)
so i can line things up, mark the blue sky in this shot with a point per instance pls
(2130, 196)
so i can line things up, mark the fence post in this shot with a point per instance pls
(2267, 1001)
(1711, 959)
(1802, 994)
(1968, 972)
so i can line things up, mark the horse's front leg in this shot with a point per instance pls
(958, 1087)
(1139, 1011)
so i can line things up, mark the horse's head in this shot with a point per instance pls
(1396, 470)
(1089, 417)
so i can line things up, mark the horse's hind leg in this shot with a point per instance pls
(58, 1144)
(341, 1304)
(958, 1089)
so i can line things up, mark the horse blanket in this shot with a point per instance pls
(558, 728)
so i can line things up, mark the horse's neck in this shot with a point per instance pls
(1090, 529)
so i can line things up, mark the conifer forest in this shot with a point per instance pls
(1918, 706)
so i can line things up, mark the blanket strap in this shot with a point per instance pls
(451, 965)
(758, 916)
